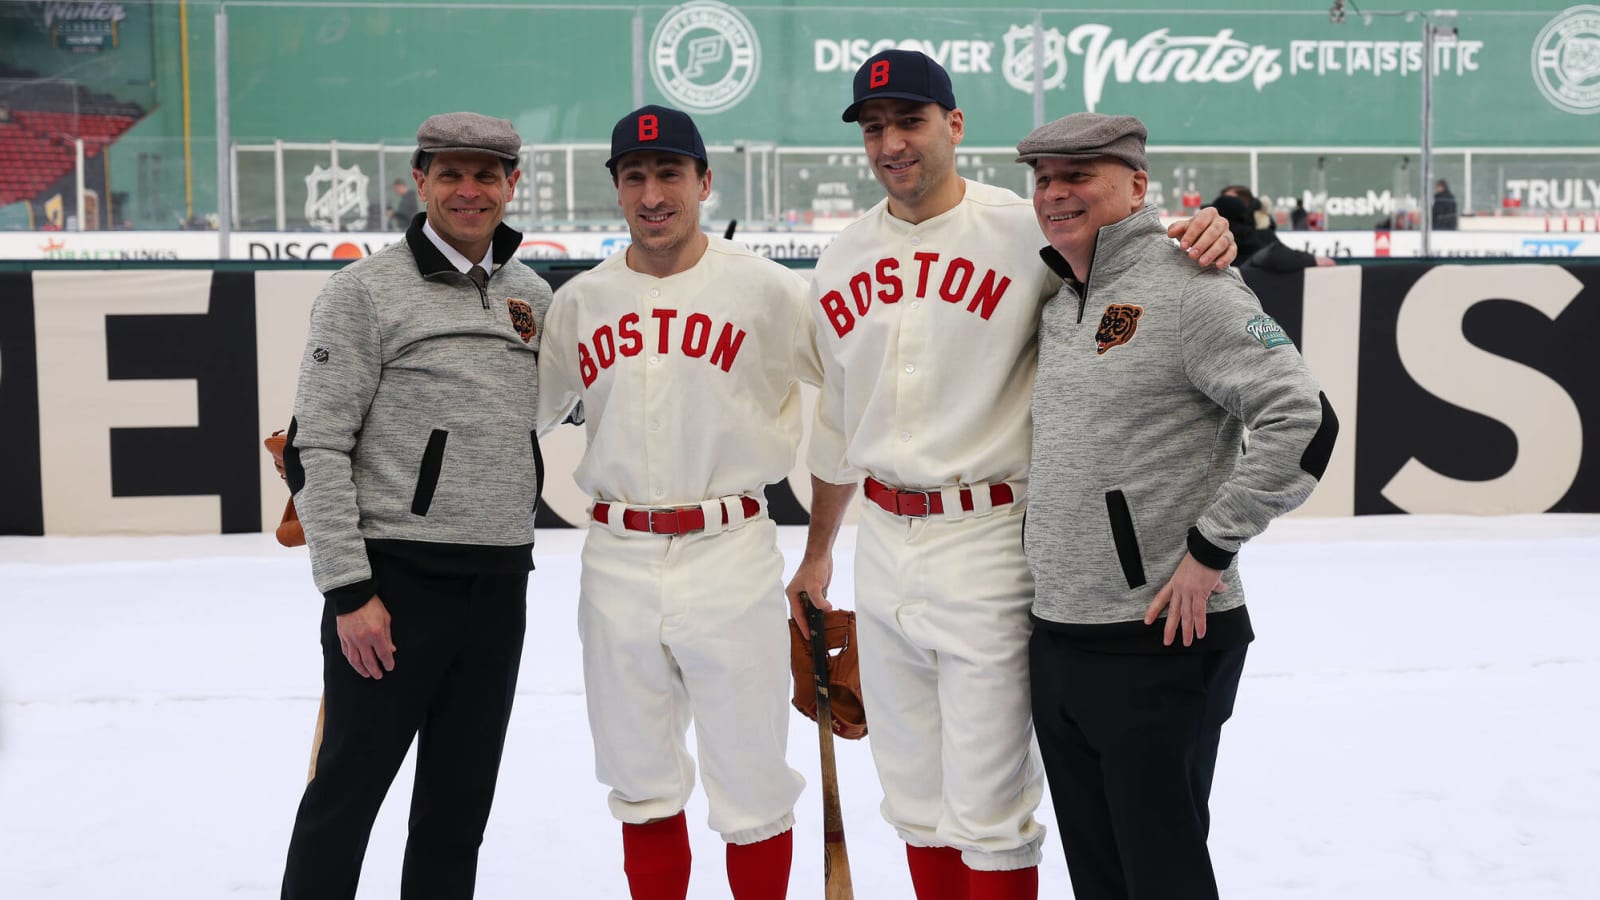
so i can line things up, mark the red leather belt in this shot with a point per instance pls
(921, 504)
(669, 519)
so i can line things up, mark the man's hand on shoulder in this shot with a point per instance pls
(1205, 238)
(364, 638)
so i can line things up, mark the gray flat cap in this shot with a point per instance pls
(1084, 135)
(468, 132)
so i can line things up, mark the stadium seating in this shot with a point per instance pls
(36, 144)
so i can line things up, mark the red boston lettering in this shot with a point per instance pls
(608, 345)
(957, 282)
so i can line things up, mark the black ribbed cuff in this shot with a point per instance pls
(1208, 554)
(351, 597)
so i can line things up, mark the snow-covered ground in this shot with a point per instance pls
(1419, 720)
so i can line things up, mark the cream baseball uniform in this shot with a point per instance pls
(690, 390)
(927, 336)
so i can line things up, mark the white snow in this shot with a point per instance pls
(1419, 720)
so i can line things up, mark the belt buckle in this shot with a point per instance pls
(662, 511)
(923, 495)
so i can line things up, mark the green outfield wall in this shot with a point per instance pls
(1246, 73)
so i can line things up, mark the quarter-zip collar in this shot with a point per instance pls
(431, 263)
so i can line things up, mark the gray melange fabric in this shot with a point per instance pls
(1160, 418)
(394, 357)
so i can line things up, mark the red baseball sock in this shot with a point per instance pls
(656, 858)
(760, 871)
(937, 873)
(1012, 884)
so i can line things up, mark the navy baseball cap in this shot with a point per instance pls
(656, 128)
(901, 75)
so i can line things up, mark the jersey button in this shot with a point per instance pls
(655, 360)
(916, 242)
(659, 493)
(655, 426)
(654, 292)
(916, 304)
(905, 436)
(910, 368)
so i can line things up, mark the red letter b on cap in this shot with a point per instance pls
(879, 75)
(648, 128)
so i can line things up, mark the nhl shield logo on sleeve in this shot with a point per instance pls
(521, 318)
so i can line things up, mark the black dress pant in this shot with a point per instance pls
(459, 644)
(1129, 743)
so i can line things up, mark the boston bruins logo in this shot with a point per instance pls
(1117, 326)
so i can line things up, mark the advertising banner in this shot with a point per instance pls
(135, 401)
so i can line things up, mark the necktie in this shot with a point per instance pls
(480, 278)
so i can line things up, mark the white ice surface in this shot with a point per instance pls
(1419, 720)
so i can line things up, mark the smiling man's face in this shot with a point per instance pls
(1075, 198)
(466, 194)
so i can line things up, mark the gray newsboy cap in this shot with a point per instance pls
(1084, 135)
(469, 132)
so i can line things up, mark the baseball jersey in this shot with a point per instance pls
(927, 335)
(689, 383)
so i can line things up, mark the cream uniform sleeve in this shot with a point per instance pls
(826, 453)
(559, 383)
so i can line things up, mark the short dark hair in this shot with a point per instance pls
(425, 162)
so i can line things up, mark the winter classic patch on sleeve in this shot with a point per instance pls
(1267, 330)
(1117, 325)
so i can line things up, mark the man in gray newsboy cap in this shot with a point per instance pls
(1139, 499)
(416, 474)
(1096, 160)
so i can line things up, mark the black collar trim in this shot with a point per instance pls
(431, 262)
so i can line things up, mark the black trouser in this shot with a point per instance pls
(1129, 743)
(459, 643)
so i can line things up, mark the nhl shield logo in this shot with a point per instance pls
(521, 318)
(336, 198)
(1018, 65)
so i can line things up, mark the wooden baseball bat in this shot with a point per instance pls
(316, 739)
(835, 859)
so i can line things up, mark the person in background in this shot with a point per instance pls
(1299, 219)
(1260, 249)
(404, 208)
(1445, 215)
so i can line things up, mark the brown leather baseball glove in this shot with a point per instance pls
(844, 674)
(289, 533)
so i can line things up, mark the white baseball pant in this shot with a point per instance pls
(691, 626)
(942, 608)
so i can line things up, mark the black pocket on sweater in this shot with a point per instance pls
(538, 469)
(1126, 540)
(428, 478)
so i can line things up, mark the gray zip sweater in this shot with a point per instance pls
(413, 428)
(1149, 375)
